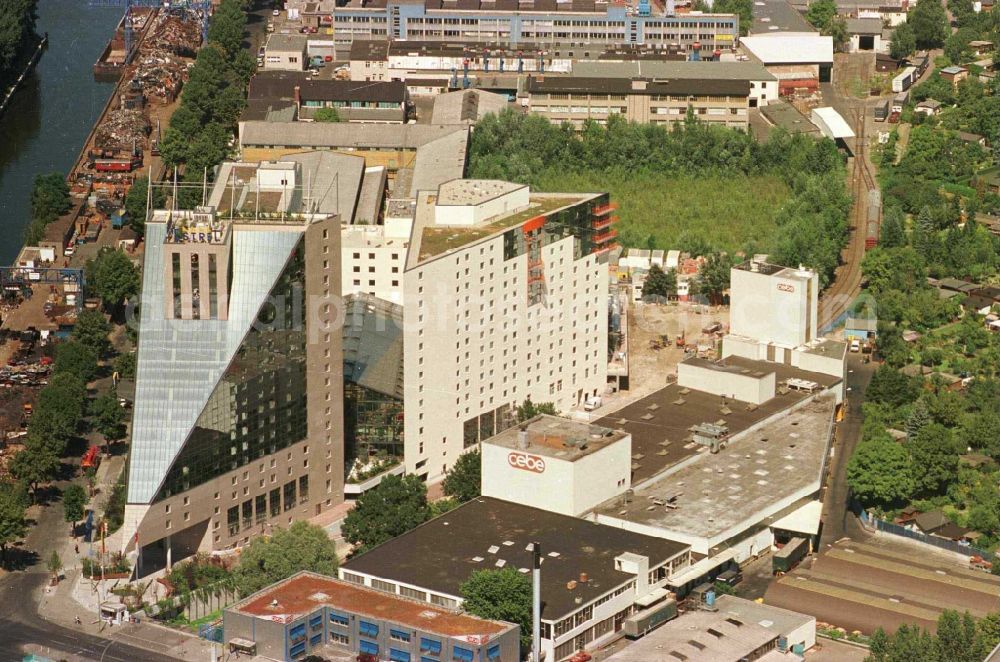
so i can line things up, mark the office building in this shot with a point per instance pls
(543, 23)
(593, 577)
(237, 426)
(505, 298)
(576, 99)
(311, 614)
(285, 52)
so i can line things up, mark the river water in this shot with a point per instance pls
(50, 116)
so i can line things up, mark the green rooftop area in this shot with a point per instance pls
(436, 240)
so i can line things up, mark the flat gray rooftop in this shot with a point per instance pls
(752, 71)
(660, 423)
(699, 636)
(558, 437)
(783, 114)
(719, 491)
(778, 16)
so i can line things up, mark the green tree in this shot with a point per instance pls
(74, 498)
(135, 202)
(327, 115)
(918, 418)
(660, 283)
(742, 8)
(57, 412)
(92, 330)
(503, 595)
(893, 234)
(75, 358)
(34, 464)
(904, 41)
(465, 478)
(113, 277)
(54, 564)
(13, 525)
(821, 13)
(227, 27)
(879, 472)
(270, 559)
(109, 417)
(396, 505)
(891, 387)
(933, 458)
(527, 410)
(981, 431)
(125, 365)
(929, 22)
(714, 277)
(17, 36)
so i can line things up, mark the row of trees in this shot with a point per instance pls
(17, 36)
(959, 638)
(813, 228)
(201, 129)
(49, 201)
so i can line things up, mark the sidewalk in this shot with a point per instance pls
(77, 596)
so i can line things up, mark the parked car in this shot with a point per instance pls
(855, 345)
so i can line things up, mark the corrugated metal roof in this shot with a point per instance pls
(704, 70)
(342, 135)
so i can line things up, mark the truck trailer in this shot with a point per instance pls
(790, 555)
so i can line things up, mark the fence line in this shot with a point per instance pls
(943, 543)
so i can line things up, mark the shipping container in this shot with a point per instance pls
(789, 556)
(903, 81)
(899, 102)
(641, 623)
(882, 111)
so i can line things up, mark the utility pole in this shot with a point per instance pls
(536, 601)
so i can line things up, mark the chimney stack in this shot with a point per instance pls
(522, 438)
(297, 93)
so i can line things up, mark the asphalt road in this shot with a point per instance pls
(836, 516)
(20, 624)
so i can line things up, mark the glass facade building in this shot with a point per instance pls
(258, 406)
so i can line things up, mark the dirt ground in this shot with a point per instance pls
(649, 369)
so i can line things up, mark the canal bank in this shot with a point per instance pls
(51, 115)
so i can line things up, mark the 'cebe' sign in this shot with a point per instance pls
(526, 462)
(784, 287)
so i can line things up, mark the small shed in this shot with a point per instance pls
(860, 328)
(955, 74)
(928, 107)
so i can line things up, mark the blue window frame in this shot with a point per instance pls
(493, 653)
(430, 646)
(367, 629)
(297, 631)
(297, 649)
(369, 647)
(461, 654)
(398, 655)
(315, 639)
(316, 620)
(339, 619)
(399, 635)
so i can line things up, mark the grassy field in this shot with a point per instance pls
(729, 213)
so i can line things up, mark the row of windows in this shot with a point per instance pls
(265, 506)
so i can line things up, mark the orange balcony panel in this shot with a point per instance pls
(600, 210)
(605, 236)
(601, 223)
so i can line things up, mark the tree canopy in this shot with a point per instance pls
(527, 410)
(396, 505)
(880, 472)
(75, 358)
(269, 559)
(13, 525)
(74, 498)
(327, 115)
(49, 200)
(17, 32)
(92, 330)
(464, 480)
(113, 277)
(660, 283)
(904, 42)
(930, 23)
(503, 595)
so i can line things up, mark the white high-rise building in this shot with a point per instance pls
(505, 298)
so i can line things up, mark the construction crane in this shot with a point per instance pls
(21, 280)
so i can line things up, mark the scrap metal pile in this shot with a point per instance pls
(176, 31)
(123, 129)
(162, 64)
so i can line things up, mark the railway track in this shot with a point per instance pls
(865, 220)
